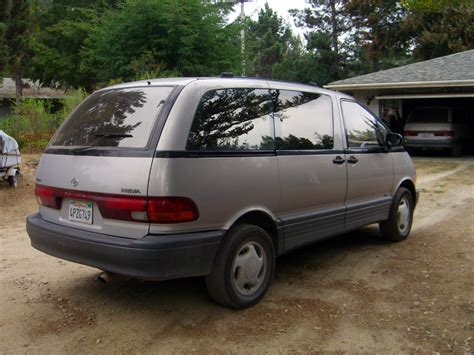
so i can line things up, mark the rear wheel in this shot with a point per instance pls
(14, 180)
(243, 268)
(456, 150)
(398, 225)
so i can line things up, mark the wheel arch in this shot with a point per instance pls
(264, 220)
(410, 186)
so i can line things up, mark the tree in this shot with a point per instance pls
(268, 41)
(16, 26)
(5, 9)
(328, 25)
(441, 27)
(378, 26)
(64, 26)
(161, 37)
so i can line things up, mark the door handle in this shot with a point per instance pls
(352, 160)
(338, 160)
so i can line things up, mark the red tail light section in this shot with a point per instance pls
(444, 133)
(171, 210)
(410, 133)
(47, 196)
(127, 208)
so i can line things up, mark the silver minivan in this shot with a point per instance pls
(216, 177)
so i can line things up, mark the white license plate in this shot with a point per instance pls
(425, 135)
(80, 211)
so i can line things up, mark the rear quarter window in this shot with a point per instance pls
(126, 115)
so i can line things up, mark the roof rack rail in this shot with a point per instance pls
(312, 83)
(227, 75)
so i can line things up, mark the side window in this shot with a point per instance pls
(304, 119)
(232, 119)
(362, 128)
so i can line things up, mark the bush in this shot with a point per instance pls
(32, 122)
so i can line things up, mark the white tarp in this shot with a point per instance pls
(9, 152)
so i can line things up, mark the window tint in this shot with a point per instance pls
(362, 128)
(305, 120)
(232, 119)
(125, 116)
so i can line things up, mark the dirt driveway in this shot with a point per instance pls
(354, 293)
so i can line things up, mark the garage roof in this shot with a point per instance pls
(451, 70)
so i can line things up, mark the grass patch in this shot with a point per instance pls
(429, 167)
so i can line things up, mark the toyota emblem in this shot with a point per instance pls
(74, 182)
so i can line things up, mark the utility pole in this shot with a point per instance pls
(242, 35)
(242, 31)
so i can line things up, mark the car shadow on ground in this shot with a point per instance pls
(183, 293)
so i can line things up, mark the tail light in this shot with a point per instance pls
(410, 133)
(444, 133)
(128, 208)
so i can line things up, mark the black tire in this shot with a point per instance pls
(221, 282)
(393, 229)
(14, 181)
(456, 150)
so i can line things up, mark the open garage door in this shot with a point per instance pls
(455, 110)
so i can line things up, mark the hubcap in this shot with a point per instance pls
(249, 268)
(403, 215)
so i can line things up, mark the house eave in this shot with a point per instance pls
(402, 85)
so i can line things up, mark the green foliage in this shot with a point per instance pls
(432, 5)
(268, 40)
(441, 30)
(328, 25)
(16, 28)
(379, 31)
(65, 25)
(70, 102)
(163, 37)
(32, 122)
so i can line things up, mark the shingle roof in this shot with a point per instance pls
(453, 67)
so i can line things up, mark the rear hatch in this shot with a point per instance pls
(94, 173)
(429, 123)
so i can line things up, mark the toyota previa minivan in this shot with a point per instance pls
(216, 177)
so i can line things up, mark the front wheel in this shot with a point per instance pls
(398, 225)
(243, 268)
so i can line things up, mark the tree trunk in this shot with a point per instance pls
(18, 86)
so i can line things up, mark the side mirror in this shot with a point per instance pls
(393, 140)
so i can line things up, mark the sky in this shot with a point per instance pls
(280, 6)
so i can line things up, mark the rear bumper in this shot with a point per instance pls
(430, 143)
(156, 257)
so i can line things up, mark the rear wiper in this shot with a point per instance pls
(101, 137)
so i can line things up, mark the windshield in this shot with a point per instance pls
(113, 118)
(429, 115)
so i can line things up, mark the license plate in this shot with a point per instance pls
(80, 211)
(425, 135)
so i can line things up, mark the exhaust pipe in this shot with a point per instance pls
(107, 277)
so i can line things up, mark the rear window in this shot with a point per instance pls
(429, 115)
(113, 118)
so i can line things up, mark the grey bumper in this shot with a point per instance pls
(156, 257)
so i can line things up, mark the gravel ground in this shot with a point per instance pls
(354, 293)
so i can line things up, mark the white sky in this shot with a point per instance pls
(280, 6)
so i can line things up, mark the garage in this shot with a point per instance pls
(442, 87)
